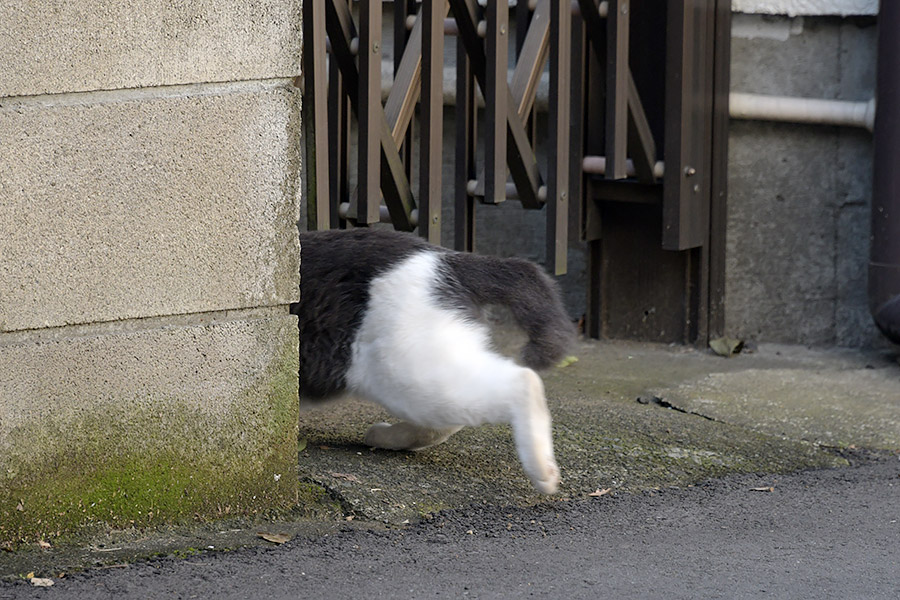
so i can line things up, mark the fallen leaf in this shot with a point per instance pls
(763, 489)
(20, 507)
(30, 575)
(44, 544)
(566, 362)
(301, 445)
(725, 346)
(598, 492)
(349, 518)
(275, 538)
(346, 476)
(41, 581)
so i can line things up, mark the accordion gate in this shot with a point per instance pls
(636, 138)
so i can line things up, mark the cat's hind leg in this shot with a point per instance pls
(531, 424)
(490, 389)
(406, 436)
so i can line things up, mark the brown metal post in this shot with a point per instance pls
(558, 175)
(432, 119)
(617, 89)
(369, 163)
(495, 96)
(315, 116)
(688, 125)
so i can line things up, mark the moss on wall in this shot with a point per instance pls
(157, 461)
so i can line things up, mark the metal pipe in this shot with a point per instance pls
(384, 216)
(884, 257)
(474, 187)
(801, 110)
(596, 165)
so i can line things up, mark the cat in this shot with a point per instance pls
(388, 317)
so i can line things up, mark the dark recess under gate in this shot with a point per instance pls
(636, 144)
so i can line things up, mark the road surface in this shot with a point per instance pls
(817, 534)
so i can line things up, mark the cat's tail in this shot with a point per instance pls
(531, 295)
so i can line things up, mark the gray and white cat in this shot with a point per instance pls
(387, 316)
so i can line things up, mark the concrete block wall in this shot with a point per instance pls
(799, 196)
(149, 193)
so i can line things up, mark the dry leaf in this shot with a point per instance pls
(20, 507)
(41, 582)
(346, 476)
(275, 538)
(44, 544)
(725, 346)
(598, 492)
(763, 489)
(30, 575)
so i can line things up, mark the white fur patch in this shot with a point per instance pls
(423, 362)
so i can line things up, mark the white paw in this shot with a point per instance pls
(546, 479)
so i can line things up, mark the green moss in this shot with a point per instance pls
(314, 501)
(137, 469)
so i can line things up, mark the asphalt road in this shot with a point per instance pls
(818, 534)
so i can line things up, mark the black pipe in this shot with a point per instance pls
(884, 259)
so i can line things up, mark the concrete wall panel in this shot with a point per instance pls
(173, 419)
(55, 46)
(799, 195)
(123, 207)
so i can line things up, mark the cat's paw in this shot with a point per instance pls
(379, 435)
(547, 480)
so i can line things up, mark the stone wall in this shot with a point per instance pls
(149, 192)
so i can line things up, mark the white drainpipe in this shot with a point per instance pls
(760, 107)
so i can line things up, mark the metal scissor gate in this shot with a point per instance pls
(635, 140)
